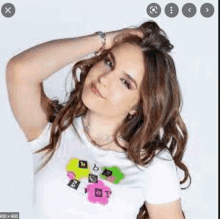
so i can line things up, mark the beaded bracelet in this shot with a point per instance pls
(103, 38)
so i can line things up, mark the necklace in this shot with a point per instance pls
(86, 128)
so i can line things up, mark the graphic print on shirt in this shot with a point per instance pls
(96, 190)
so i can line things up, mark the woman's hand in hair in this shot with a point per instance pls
(119, 34)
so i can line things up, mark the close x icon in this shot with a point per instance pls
(8, 10)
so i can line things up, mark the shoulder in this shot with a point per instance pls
(161, 164)
(161, 179)
(161, 157)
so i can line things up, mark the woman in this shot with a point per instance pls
(114, 145)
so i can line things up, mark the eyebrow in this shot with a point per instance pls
(126, 74)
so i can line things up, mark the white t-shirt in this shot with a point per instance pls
(83, 181)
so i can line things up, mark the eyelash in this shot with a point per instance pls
(127, 84)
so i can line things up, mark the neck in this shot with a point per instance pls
(101, 127)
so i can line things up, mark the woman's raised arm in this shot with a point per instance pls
(41, 61)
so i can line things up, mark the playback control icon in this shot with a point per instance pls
(207, 10)
(189, 10)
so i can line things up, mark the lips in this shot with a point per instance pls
(95, 90)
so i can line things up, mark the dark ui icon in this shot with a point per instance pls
(153, 10)
(207, 10)
(8, 10)
(189, 10)
(171, 10)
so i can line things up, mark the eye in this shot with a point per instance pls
(127, 84)
(108, 62)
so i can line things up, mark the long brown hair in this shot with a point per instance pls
(159, 107)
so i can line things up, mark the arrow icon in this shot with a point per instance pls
(207, 9)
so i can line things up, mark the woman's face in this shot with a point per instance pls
(113, 78)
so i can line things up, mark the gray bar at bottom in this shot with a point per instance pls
(9, 215)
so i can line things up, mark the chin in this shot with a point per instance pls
(90, 102)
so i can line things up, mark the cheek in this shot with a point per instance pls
(123, 101)
(95, 69)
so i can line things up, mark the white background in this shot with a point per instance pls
(195, 55)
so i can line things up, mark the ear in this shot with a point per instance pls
(132, 112)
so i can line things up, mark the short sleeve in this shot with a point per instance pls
(41, 141)
(162, 182)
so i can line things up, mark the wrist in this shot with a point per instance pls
(102, 38)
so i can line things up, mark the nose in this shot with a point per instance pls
(104, 79)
